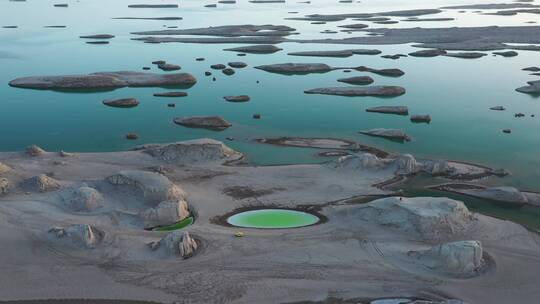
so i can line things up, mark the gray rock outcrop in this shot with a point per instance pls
(4, 168)
(179, 243)
(153, 187)
(80, 235)
(393, 134)
(166, 213)
(34, 150)
(42, 183)
(215, 123)
(84, 199)
(381, 91)
(104, 80)
(4, 186)
(459, 259)
(432, 218)
(191, 151)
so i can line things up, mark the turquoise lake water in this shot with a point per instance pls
(455, 92)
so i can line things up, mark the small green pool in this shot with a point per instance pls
(179, 225)
(272, 219)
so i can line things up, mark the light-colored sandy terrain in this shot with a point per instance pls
(387, 248)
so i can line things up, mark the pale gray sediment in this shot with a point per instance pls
(410, 244)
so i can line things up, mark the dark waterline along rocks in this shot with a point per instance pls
(228, 71)
(307, 68)
(237, 64)
(171, 94)
(149, 18)
(104, 80)
(337, 53)
(466, 55)
(218, 66)
(169, 67)
(237, 98)
(533, 88)
(394, 57)
(427, 53)
(342, 53)
(229, 31)
(215, 123)
(506, 53)
(121, 103)
(367, 16)
(354, 26)
(366, 51)
(132, 136)
(296, 68)
(382, 72)
(153, 6)
(98, 36)
(378, 91)
(256, 49)
(358, 80)
(398, 110)
(393, 134)
(421, 118)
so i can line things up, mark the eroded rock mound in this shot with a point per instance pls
(4, 168)
(42, 183)
(34, 150)
(191, 151)
(153, 187)
(84, 199)
(432, 218)
(178, 243)
(500, 194)
(460, 259)
(166, 213)
(4, 186)
(80, 235)
(215, 123)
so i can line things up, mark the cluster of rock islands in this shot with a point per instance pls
(150, 224)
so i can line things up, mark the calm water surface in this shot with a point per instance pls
(455, 92)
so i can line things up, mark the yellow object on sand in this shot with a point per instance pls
(239, 234)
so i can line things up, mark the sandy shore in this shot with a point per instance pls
(350, 256)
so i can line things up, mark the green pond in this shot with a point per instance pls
(272, 219)
(457, 93)
(181, 224)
